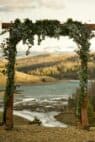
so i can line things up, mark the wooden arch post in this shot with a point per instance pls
(10, 82)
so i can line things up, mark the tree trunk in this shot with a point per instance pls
(84, 113)
(8, 113)
(84, 94)
(9, 91)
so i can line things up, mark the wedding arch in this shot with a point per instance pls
(25, 31)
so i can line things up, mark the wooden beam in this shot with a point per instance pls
(8, 25)
(90, 26)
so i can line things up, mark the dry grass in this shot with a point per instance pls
(67, 67)
(25, 78)
(21, 78)
(43, 59)
(23, 131)
(35, 133)
(2, 79)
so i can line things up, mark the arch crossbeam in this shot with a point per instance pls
(6, 25)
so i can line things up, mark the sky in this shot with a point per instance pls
(53, 9)
(81, 10)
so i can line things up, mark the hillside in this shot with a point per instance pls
(59, 66)
(52, 65)
(47, 68)
(21, 77)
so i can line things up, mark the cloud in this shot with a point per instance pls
(82, 10)
(11, 5)
(4, 8)
(56, 4)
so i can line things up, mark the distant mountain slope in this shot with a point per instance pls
(52, 65)
(59, 66)
(47, 68)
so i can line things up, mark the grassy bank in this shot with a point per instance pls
(17, 120)
(34, 133)
(24, 131)
(23, 78)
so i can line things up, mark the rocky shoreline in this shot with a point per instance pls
(57, 104)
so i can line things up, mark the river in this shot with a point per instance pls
(49, 90)
(43, 101)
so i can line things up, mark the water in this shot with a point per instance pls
(47, 91)
(43, 101)
(44, 97)
(47, 119)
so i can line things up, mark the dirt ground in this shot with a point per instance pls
(35, 133)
